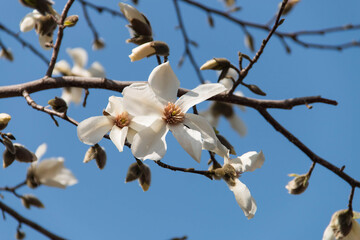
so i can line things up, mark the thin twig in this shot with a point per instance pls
(24, 43)
(351, 198)
(101, 9)
(28, 222)
(88, 20)
(207, 174)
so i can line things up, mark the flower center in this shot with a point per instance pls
(122, 120)
(173, 114)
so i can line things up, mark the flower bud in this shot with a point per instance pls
(149, 49)
(43, 6)
(4, 120)
(71, 21)
(255, 89)
(342, 226)
(29, 200)
(145, 177)
(58, 104)
(8, 144)
(217, 173)
(230, 174)
(249, 42)
(216, 64)
(98, 153)
(31, 180)
(299, 184)
(45, 25)
(23, 155)
(20, 235)
(89, 155)
(133, 172)
(289, 6)
(7, 54)
(98, 44)
(8, 158)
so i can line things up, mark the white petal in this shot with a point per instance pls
(328, 233)
(220, 149)
(227, 82)
(28, 22)
(189, 139)
(130, 12)
(62, 67)
(240, 94)
(232, 73)
(118, 136)
(244, 198)
(115, 106)
(140, 100)
(199, 94)
(138, 123)
(142, 51)
(355, 231)
(92, 130)
(44, 40)
(40, 151)
(80, 71)
(237, 124)
(97, 70)
(150, 143)
(130, 135)
(200, 124)
(72, 94)
(164, 83)
(248, 162)
(79, 56)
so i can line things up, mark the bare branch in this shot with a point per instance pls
(101, 9)
(207, 174)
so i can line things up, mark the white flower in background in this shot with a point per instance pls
(232, 169)
(80, 59)
(43, 25)
(50, 172)
(156, 101)
(116, 120)
(343, 226)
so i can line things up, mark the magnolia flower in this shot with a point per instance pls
(80, 58)
(50, 172)
(43, 25)
(231, 171)
(343, 226)
(156, 102)
(116, 120)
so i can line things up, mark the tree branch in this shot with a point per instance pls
(207, 174)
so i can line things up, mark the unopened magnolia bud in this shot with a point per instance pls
(8, 144)
(226, 143)
(89, 155)
(100, 157)
(133, 172)
(8, 158)
(255, 89)
(341, 223)
(58, 104)
(71, 20)
(216, 64)
(98, 44)
(4, 120)
(149, 49)
(145, 177)
(29, 200)
(249, 42)
(43, 6)
(6, 54)
(23, 155)
(289, 6)
(229, 3)
(20, 235)
(299, 184)
(10, 135)
(45, 25)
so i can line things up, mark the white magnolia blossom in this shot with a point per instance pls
(50, 172)
(333, 232)
(80, 59)
(247, 162)
(157, 102)
(116, 120)
(31, 20)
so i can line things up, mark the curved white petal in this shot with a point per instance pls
(150, 143)
(115, 106)
(198, 95)
(220, 149)
(62, 67)
(227, 82)
(142, 51)
(118, 136)
(328, 233)
(355, 231)
(200, 124)
(164, 83)
(44, 40)
(190, 140)
(140, 100)
(244, 198)
(130, 12)
(130, 135)
(78, 55)
(96, 70)
(237, 124)
(40, 151)
(138, 123)
(28, 22)
(248, 162)
(92, 130)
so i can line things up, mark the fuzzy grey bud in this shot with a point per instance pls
(145, 178)
(23, 155)
(216, 64)
(133, 172)
(8, 144)
(20, 235)
(255, 89)
(8, 158)
(58, 104)
(299, 184)
(29, 200)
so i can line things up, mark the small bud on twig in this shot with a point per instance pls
(29, 200)
(71, 21)
(58, 104)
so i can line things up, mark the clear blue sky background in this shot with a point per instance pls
(102, 206)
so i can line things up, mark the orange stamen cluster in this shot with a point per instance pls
(122, 120)
(173, 114)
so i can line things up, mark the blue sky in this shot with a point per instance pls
(102, 206)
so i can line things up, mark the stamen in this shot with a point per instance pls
(173, 114)
(122, 120)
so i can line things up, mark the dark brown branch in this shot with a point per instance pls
(88, 20)
(351, 198)
(103, 83)
(207, 174)
(28, 222)
(101, 9)
(187, 42)
(24, 43)
(59, 38)
(315, 158)
(13, 189)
